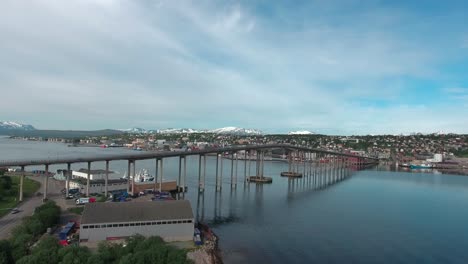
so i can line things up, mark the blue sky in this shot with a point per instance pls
(334, 67)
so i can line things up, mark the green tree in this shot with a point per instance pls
(74, 255)
(5, 182)
(6, 256)
(127, 259)
(109, 253)
(28, 259)
(20, 243)
(46, 250)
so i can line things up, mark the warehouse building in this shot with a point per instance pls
(171, 220)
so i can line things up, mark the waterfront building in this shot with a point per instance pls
(98, 186)
(93, 174)
(171, 220)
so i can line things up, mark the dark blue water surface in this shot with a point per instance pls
(371, 216)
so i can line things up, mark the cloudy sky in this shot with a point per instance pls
(333, 67)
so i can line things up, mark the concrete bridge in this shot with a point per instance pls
(299, 158)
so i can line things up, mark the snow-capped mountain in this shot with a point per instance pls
(178, 131)
(8, 125)
(236, 131)
(301, 132)
(224, 130)
(134, 130)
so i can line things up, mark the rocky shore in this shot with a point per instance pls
(209, 252)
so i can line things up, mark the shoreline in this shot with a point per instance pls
(209, 252)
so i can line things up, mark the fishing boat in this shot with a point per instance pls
(142, 176)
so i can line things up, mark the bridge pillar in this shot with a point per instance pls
(263, 163)
(129, 174)
(236, 169)
(260, 163)
(289, 160)
(106, 181)
(221, 173)
(161, 171)
(21, 184)
(200, 187)
(250, 161)
(257, 163)
(46, 182)
(67, 181)
(87, 178)
(156, 174)
(303, 163)
(217, 172)
(133, 175)
(179, 179)
(204, 172)
(245, 166)
(185, 177)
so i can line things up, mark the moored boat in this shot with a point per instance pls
(421, 166)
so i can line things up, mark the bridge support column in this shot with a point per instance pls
(87, 178)
(21, 184)
(303, 163)
(128, 175)
(200, 187)
(134, 176)
(161, 171)
(232, 169)
(185, 177)
(250, 161)
(217, 172)
(67, 181)
(221, 173)
(204, 172)
(289, 161)
(245, 166)
(180, 178)
(46, 182)
(263, 164)
(106, 180)
(156, 173)
(236, 169)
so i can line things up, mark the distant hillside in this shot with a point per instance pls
(59, 133)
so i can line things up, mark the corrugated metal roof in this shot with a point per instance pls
(136, 211)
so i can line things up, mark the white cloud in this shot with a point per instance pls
(118, 63)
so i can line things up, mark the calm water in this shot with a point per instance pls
(372, 217)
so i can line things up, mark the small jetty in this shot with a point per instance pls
(260, 179)
(291, 174)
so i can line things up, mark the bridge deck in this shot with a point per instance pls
(166, 154)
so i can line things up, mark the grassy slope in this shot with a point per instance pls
(30, 187)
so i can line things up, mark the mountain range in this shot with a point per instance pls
(8, 125)
(223, 130)
(17, 129)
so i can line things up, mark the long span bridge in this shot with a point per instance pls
(296, 154)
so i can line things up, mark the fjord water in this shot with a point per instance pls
(371, 217)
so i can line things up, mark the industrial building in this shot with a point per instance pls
(96, 181)
(99, 186)
(171, 220)
(93, 174)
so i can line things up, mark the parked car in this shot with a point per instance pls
(15, 210)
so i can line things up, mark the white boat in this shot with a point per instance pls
(421, 166)
(142, 176)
